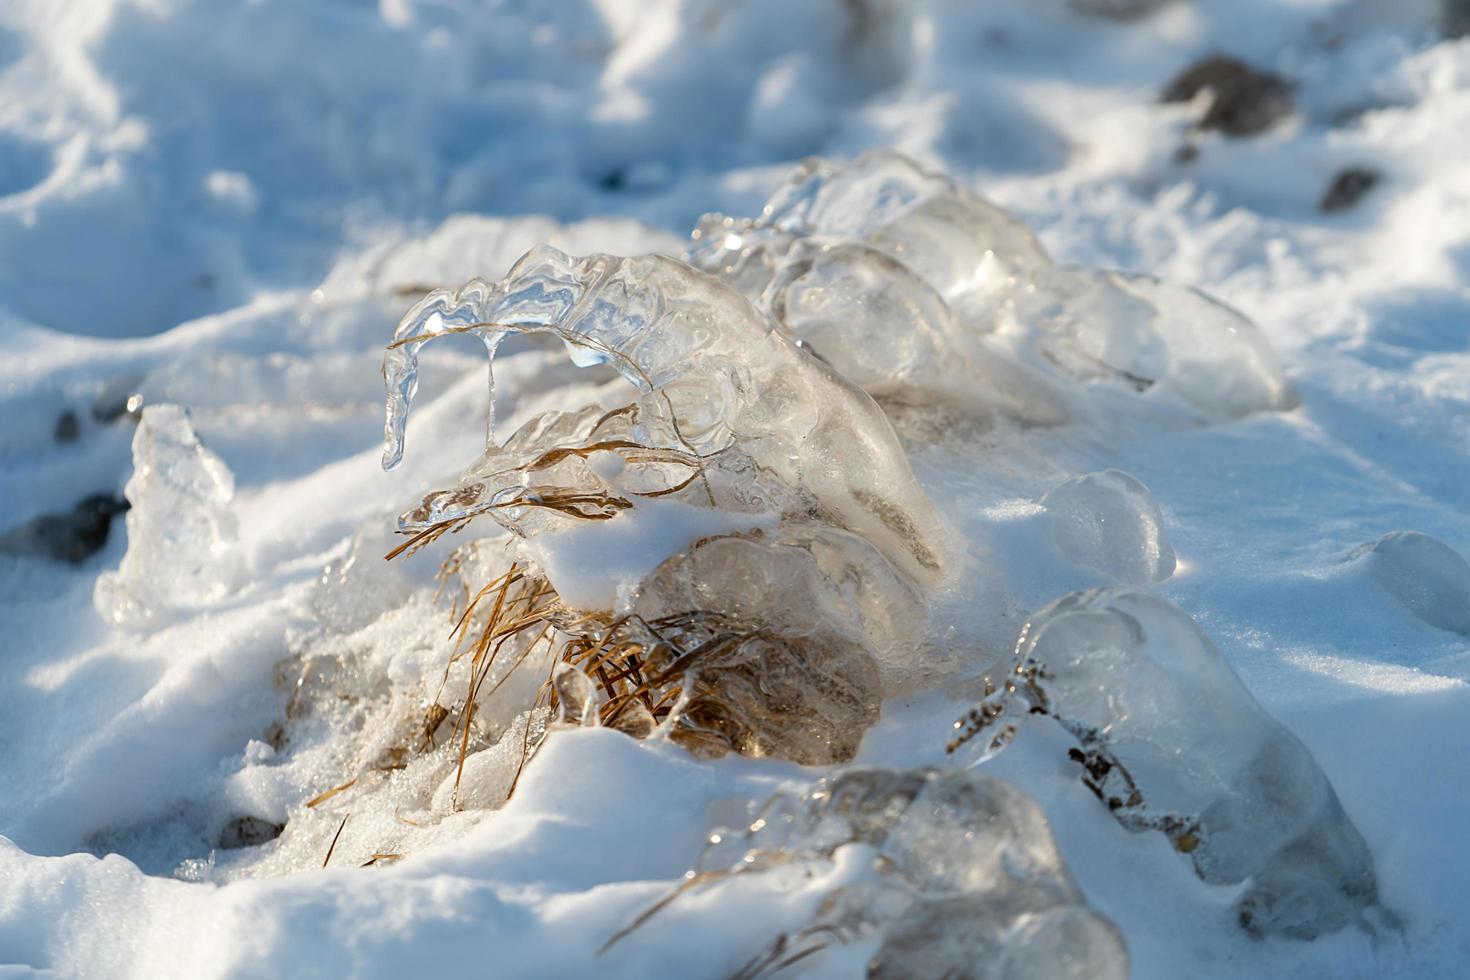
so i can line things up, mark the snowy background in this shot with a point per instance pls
(226, 205)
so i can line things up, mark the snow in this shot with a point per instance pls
(227, 207)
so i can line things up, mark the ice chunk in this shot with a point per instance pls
(1423, 574)
(1158, 337)
(885, 328)
(1109, 521)
(962, 877)
(811, 261)
(181, 531)
(959, 244)
(1170, 740)
(730, 412)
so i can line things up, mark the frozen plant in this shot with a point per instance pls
(1169, 739)
(730, 414)
(840, 255)
(181, 529)
(1109, 521)
(789, 665)
(953, 872)
(776, 633)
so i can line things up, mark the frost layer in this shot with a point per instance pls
(955, 873)
(902, 278)
(181, 532)
(1170, 740)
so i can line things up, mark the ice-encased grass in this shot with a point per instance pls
(947, 873)
(778, 639)
(1169, 739)
(728, 409)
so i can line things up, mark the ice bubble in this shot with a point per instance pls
(1423, 574)
(778, 641)
(1158, 337)
(885, 328)
(1109, 522)
(1170, 740)
(182, 551)
(802, 580)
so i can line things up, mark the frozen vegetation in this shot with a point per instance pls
(1092, 372)
(1170, 740)
(940, 874)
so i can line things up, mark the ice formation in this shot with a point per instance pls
(181, 531)
(786, 612)
(902, 278)
(807, 616)
(729, 412)
(957, 876)
(1170, 740)
(1423, 574)
(1110, 522)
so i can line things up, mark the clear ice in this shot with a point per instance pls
(904, 280)
(1169, 739)
(181, 529)
(730, 412)
(782, 655)
(1423, 574)
(784, 638)
(1110, 522)
(960, 877)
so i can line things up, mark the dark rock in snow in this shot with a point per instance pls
(70, 537)
(1454, 18)
(1124, 10)
(1348, 188)
(67, 427)
(248, 832)
(1243, 100)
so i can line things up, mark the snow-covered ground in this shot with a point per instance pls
(227, 206)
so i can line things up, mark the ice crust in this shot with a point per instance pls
(1169, 739)
(902, 278)
(182, 531)
(949, 873)
(1110, 522)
